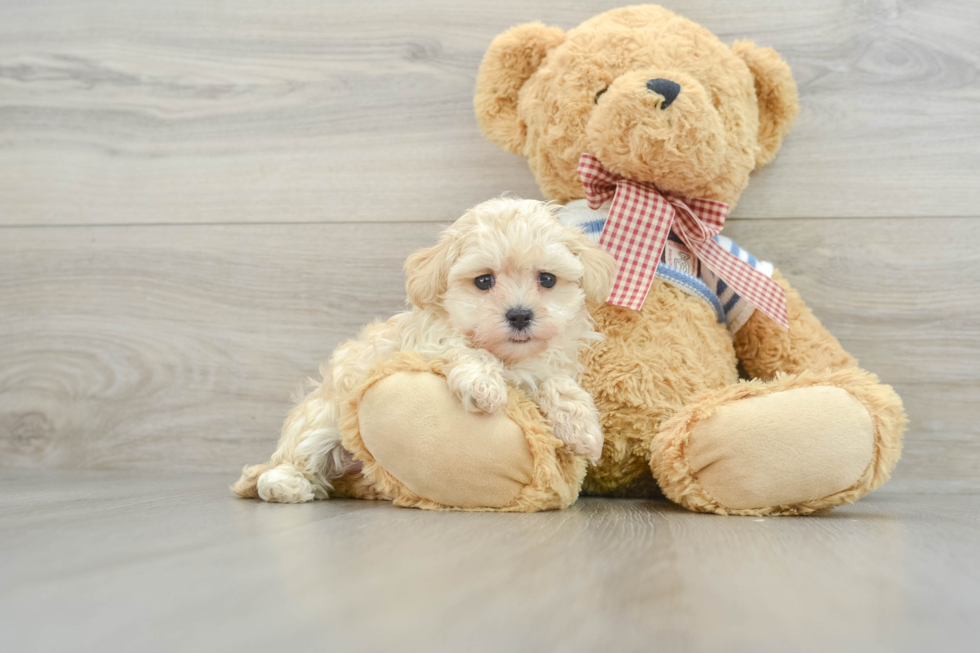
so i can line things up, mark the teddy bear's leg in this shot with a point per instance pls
(420, 447)
(790, 446)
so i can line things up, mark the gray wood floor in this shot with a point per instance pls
(110, 561)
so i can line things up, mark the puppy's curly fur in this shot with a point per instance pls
(502, 299)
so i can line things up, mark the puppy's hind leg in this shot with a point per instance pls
(308, 457)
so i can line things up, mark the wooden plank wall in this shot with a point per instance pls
(199, 200)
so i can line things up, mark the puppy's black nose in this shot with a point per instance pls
(668, 89)
(520, 318)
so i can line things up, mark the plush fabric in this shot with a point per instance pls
(803, 442)
(789, 451)
(419, 448)
(814, 430)
(550, 96)
(463, 460)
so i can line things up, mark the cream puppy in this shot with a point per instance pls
(502, 300)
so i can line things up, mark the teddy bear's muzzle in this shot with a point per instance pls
(658, 126)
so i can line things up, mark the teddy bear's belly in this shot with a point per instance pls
(651, 364)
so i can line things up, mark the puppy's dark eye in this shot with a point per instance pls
(546, 279)
(484, 281)
(599, 94)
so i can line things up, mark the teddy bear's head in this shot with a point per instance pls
(655, 97)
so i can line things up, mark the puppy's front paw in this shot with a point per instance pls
(581, 433)
(480, 392)
(487, 394)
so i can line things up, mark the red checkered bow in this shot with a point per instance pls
(639, 220)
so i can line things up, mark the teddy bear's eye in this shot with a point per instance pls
(599, 94)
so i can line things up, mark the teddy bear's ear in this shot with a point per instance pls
(776, 90)
(511, 60)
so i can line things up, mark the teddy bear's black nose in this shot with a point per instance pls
(666, 88)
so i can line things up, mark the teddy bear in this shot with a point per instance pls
(716, 384)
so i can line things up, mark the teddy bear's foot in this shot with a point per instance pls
(790, 446)
(421, 448)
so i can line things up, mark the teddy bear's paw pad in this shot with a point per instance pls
(284, 484)
(782, 448)
(417, 430)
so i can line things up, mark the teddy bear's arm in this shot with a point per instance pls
(765, 348)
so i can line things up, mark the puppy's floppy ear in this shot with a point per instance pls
(511, 59)
(776, 91)
(428, 272)
(600, 268)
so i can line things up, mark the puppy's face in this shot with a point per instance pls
(511, 278)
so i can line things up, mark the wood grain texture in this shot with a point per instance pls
(109, 562)
(311, 111)
(177, 347)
